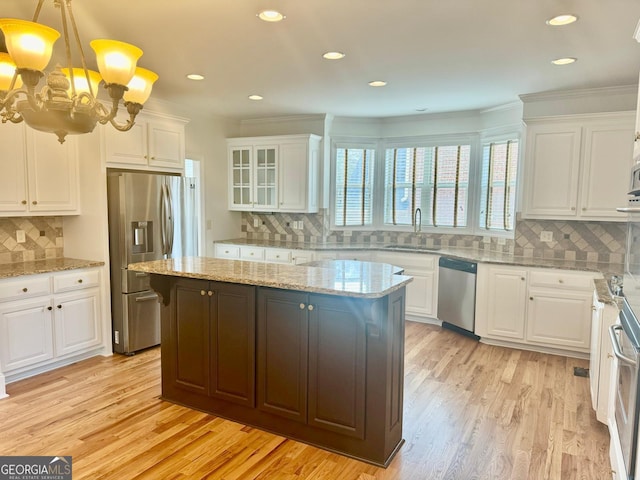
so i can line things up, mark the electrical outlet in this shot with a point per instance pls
(300, 225)
(116, 337)
(20, 236)
(546, 236)
(256, 222)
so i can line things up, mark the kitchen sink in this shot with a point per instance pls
(418, 248)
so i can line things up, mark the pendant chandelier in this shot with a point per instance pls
(67, 103)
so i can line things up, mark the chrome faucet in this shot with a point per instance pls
(417, 220)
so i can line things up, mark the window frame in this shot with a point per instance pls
(497, 137)
(476, 140)
(353, 142)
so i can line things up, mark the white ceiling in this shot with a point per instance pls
(442, 55)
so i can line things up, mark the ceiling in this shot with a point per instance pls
(438, 55)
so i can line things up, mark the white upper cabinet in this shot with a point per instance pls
(154, 143)
(578, 168)
(39, 175)
(273, 174)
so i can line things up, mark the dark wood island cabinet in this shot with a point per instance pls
(312, 363)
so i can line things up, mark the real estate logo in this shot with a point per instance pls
(35, 468)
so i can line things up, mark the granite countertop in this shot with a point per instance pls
(341, 264)
(8, 270)
(480, 256)
(347, 278)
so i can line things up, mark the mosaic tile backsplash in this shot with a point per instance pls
(43, 239)
(572, 240)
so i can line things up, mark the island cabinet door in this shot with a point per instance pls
(233, 340)
(283, 328)
(190, 335)
(337, 364)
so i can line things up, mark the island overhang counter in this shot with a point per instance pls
(312, 353)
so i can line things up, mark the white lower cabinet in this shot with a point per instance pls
(252, 253)
(545, 309)
(421, 301)
(47, 318)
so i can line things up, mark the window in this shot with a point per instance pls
(354, 186)
(434, 179)
(498, 181)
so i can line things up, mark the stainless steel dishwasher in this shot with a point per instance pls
(457, 295)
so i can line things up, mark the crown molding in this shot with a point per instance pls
(578, 93)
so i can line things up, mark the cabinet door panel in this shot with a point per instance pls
(337, 364)
(240, 177)
(553, 159)
(166, 145)
(506, 303)
(77, 321)
(53, 173)
(559, 318)
(607, 163)
(26, 333)
(420, 298)
(191, 333)
(294, 176)
(233, 339)
(283, 328)
(13, 181)
(126, 148)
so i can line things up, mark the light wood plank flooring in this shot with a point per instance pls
(472, 411)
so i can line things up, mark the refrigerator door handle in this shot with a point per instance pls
(163, 222)
(169, 220)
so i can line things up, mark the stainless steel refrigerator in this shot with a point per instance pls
(150, 217)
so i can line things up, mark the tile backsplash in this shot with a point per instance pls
(43, 239)
(571, 240)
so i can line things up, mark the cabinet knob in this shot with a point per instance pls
(530, 298)
(251, 254)
(24, 202)
(203, 293)
(522, 278)
(593, 308)
(637, 137)
(34, 202)
(560, 281)
(302, 306)
(146, 157)
(573, 209)
(210, 293)
(49, 308)
(310, 307)
(584, 209)
(25, 289)
(153, 158)
(58, 306)
(609, 355)
(226, 251)
(79, 280)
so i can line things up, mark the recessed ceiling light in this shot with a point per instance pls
(564, 61)
(271, 16)
(255, 97)
(560, 20)
(195, 76)
(334, 55)
(377, 83)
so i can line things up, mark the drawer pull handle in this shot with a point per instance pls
(25, 289)
(310, 307)
(35, 202)
(140, 274)
(59, 306)
(24, 202)
(302, 306)
(146, 298)
(49, 308)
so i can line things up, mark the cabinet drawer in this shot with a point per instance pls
(277, 255)
(252, 253)
(227, 251)
(76, 280)
(25, 287)
(558, 279)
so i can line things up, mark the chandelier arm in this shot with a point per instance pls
(83, 61)
(36, 14)
(67, 45)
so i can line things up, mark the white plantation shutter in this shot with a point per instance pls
(434, 179)
(498, 180)
(354, 186)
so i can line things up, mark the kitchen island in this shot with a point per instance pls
(313, 353)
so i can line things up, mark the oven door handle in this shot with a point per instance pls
(616, 346)
(628, 209)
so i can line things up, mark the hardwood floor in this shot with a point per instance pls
(472, 411)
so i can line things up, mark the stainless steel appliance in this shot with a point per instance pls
(150, 217)
(457, 295)
(625, 339)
